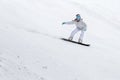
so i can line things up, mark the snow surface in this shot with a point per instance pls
(30, 48)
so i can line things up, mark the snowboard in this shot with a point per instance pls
(84, 44)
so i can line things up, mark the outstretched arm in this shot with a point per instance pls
(70, 22)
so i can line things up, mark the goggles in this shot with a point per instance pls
(78, 17)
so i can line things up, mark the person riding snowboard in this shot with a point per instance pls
(80, 26)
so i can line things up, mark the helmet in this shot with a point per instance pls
(77, 14)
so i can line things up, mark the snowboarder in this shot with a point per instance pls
(80, 26)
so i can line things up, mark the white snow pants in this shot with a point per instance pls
(75, 31)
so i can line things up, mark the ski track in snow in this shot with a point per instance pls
(9, 70)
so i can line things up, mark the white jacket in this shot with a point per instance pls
(81, 25)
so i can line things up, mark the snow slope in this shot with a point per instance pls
(30, 48)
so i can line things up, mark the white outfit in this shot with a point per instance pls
(80, 26)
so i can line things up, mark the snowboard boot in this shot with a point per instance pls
(80, 41)
(70, 38)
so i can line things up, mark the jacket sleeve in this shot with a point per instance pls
(70, 22)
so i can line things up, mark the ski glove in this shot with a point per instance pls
(63, 23)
